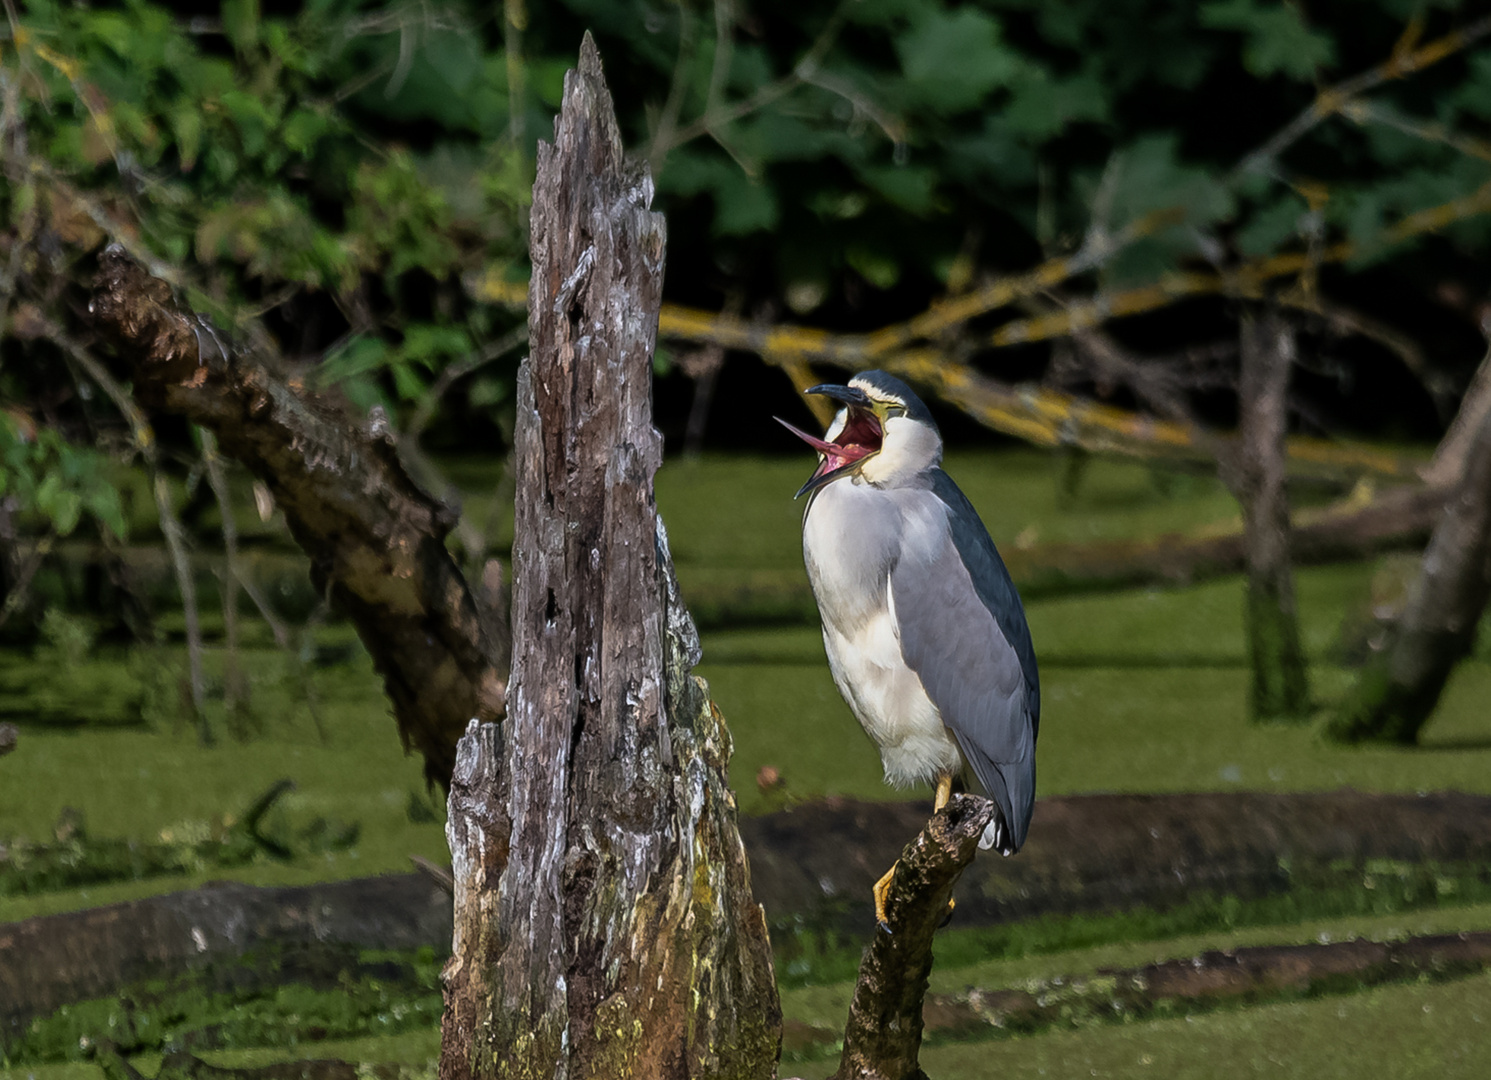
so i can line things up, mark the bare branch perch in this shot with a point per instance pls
(375, 539)
(883, 1036)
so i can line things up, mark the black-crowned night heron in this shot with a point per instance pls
(925, 633)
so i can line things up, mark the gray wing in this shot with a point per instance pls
(963, 631)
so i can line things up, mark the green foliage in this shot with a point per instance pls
(60, 483)
(953, 59)
(253, 166)
(381, 155)
(929, 116)
(1276, 38)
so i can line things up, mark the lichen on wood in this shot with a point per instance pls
(604, 918)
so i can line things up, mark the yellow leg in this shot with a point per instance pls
(880, 889)
(944, 793)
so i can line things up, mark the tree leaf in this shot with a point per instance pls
(1277, 37)
(241, 23)
(953, 59)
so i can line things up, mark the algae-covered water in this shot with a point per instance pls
(1143, 690)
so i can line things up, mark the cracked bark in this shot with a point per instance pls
(375, 539)
(604, 921)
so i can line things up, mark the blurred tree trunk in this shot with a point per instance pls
(1255, 472)
(1454, 450)
(604, 924)
(1399, 689)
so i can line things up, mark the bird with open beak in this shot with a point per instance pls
(925, 634)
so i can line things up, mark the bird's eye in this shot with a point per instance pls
(895, 410)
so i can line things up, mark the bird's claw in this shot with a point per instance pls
(881, 889)
(948, 915)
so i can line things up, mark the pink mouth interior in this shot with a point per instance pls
(860, 438)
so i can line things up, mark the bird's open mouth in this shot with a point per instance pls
(860, 438)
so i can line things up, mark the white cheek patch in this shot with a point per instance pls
(906, 449)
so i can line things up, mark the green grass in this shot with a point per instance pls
(140, 781)
(1437, 1032)
(1141, 691)
(1144, 690)
(418, 1049)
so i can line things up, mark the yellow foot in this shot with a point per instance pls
(951, 903)
(880, 889)
(944, 793)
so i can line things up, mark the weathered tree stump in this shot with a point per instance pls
(604, 923)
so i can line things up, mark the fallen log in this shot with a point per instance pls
(1399, 518)
(1188, 985)
(57, 960)
(1085, 854)
(1093, 853)
(184, 1066)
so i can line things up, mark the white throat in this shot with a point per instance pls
(906, 449)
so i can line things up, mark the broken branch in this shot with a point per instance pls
(376, 540)
(884, 1032)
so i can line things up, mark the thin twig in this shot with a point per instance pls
(1333, 99)
(171, 527)
(28, 571)
(724, 51)
(277, 626)
(718, 115)
(514, 19)
(493, 350)
(668, 119)
(1367, 112)
(1347, 320)
(234, 685)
